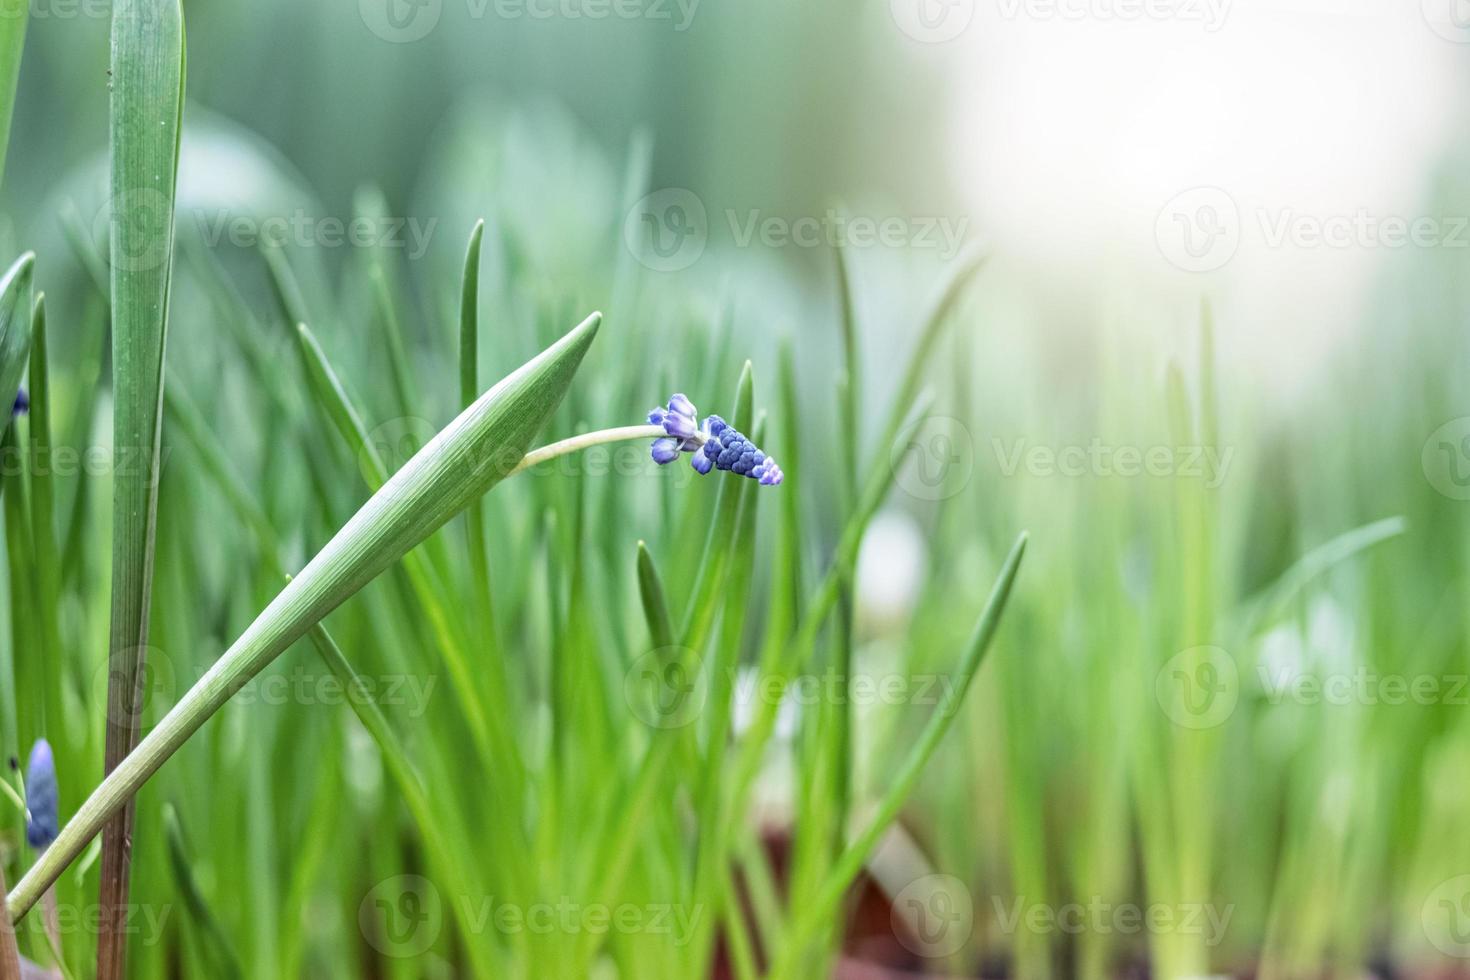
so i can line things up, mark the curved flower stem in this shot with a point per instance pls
(586, 441)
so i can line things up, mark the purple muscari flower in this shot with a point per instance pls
(22, 403)
(42, 820)
(715, 445)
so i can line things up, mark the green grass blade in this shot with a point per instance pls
(493, 737)
(467, 458)
(704, 601)
(608, 871)
(849, 398)
(333, 399)
(205, 924)
(147, 105)
(183, 413)
(655, 605)
(14, 15)
(469, 389)
(813, 916)
(15, 331)
(43, 525)
(398, 356)
(850, 390)
(446, 847)
(781, 661)
(1272, 600)
(284, 286)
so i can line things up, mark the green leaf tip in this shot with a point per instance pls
(15, 330)
(469, 456)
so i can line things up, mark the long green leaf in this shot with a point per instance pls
(43, 524)
(15, 331)
(13, 17)
(467, 458)
(147, 106)
(469, 387)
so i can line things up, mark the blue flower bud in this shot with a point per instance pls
(702, 463)
(681, 405)
(22, 403)
(679, 426)
(665, 450)
(42, 819)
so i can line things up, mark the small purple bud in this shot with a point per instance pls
(681, 405)
(42, 820)
(701, 462)
(22, 403)
(665, 450)
(679, 426)
(656, 417)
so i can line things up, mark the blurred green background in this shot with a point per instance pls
(1138, 742)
